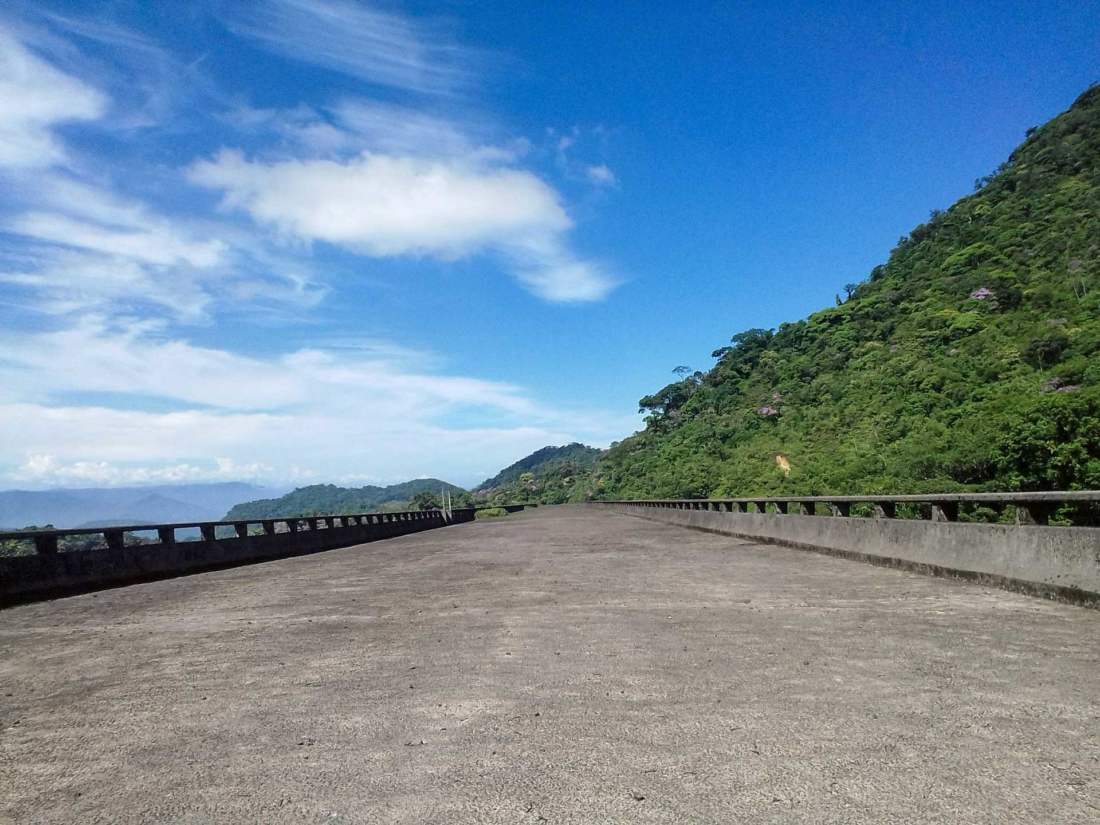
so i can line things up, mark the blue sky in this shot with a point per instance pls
(327, 240)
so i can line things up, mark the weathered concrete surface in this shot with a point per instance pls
(551, 666)
(1057, 562)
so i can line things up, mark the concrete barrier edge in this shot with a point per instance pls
(1061, 563)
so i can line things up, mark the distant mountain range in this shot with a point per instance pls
(320, 499)
(104, 506)
(552, 475)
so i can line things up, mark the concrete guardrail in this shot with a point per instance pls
(1061, 562)
(59, 562)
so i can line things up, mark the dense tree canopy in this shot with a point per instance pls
(323, 499)
(969, 360)
(552, 475)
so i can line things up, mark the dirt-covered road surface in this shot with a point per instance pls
(560, 665)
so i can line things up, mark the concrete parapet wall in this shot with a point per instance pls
(1056, 562)
(23, 578)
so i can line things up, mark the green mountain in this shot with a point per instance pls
(970, 360)
(552, 475)
(322, 499)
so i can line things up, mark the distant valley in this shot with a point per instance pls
(105, 506)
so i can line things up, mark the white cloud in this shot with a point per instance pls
(150, 244)
(567, 281)
(109, 390)
(359, 40)
(384, 205)
(137, 358)
(369, 410)
(78, 246)
(46, 469)
(64, 281)
(601, 174)
(403, 130)
(34, 96)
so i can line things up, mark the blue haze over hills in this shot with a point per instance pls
(97, 507)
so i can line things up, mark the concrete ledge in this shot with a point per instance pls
(28, 578)
(1054, 562)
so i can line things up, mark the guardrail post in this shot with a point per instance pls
(269, 527)
(840, 508)
(761, 507)
(114, 539)
(207, 531)
(781, 507)
(945, 511)
(807, 508)
(292, 525)
(167, 535)
(241, 529)
(886, 509)
(737, 507)
(45, 545)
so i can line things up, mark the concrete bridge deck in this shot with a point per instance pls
(565, 665)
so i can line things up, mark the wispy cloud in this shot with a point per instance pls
(106, 278)
(367, 405)
(43, 468)
(360, 40)
(35, 97)
(601, 174)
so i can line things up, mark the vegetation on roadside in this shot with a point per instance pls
(970, 360)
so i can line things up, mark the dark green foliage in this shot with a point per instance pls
(552, 475)
(969, 360)
(324, 499)
(425, 500)
(20, 547)
(65, 544)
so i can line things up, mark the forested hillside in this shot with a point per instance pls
(322, 499)
(552, 475)
(969, 360)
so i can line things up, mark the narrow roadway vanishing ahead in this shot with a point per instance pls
(560, 665)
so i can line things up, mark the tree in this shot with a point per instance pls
(425, 500)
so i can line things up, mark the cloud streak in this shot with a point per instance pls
(34, 97)
(359, 40)
(371, 408)
(110, 266)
